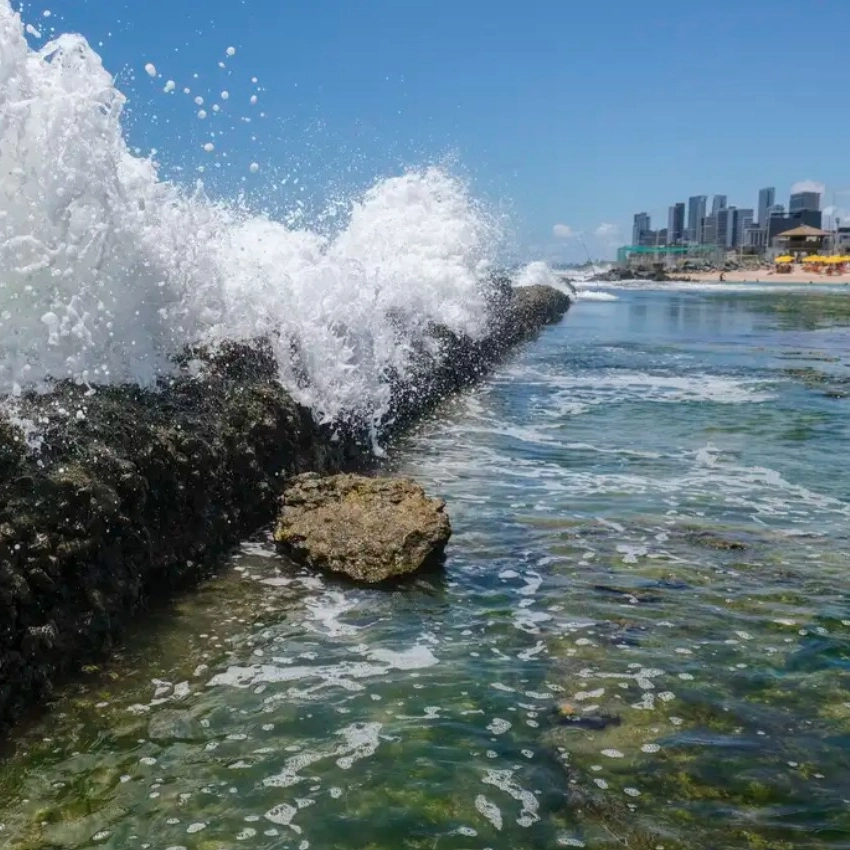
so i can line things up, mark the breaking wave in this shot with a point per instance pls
(106, 270)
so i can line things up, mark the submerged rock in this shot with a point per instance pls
(370, 529)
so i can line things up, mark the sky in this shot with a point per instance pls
(567, 117)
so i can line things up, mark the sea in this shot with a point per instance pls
(640, 637)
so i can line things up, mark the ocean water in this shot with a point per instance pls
(641, 637)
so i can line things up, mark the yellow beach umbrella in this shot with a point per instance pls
(783, 260)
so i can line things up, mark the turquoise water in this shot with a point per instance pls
(641, 638)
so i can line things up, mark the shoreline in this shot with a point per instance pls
(768, 276)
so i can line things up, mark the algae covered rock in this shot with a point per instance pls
(370, 529)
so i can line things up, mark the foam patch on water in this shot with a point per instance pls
(359, 741)
(605, 387)
(344, 675)
(490, 811)
(323, 614)
(504, 781)
(415, 658)
(595, 295)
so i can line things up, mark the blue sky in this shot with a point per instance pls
(563, 113)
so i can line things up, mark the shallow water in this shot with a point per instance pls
(650, 508)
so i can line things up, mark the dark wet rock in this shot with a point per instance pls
(594, 722)
(715, 541)
(369, 529)
(453, 362)
(671, 584)
(621, 273)
(631, 595)
(135, 492)
(829, 385)
(566, 714)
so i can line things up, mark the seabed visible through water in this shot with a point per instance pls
(651, 511)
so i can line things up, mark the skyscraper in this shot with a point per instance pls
(804, 201)
(696, 213)
(725, 226)
(708, 230)
(743, 220)
(767, 198)
(642, 225)
(718, 203)
(676, 224)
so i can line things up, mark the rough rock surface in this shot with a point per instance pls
(370, 529)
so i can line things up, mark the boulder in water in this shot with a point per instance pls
(369, 529)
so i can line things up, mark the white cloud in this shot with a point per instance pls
(607, 232)
(808, 186)
(563, 231)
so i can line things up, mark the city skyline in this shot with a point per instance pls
(732, 227)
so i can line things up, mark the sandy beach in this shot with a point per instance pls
(798, 275)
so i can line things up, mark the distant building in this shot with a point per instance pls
(781, 223)
(676, 224)
(767, 198)
(754, 237)
(743, 220)
(804, 201)
(841, 239)
(662, 237)
(709, 230)
(725, 226)
(642, 223)
(696, 213)
(718, 203)
(647, 238)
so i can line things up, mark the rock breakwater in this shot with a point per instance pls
(112, 497)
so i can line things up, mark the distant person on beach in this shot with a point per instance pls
(722, 276)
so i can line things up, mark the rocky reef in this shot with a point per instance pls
(369, 529)
(621, 273)
(115, 496)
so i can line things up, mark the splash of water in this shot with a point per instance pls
(539, 273)
(106, 270)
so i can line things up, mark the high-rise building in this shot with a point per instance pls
(804, 201)
(718, 203)
(696, 213)
(641, 224)
(754, 237)
(743, 221)
(767, 198)
(708, 230)
(676, 224)
(725, 226)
